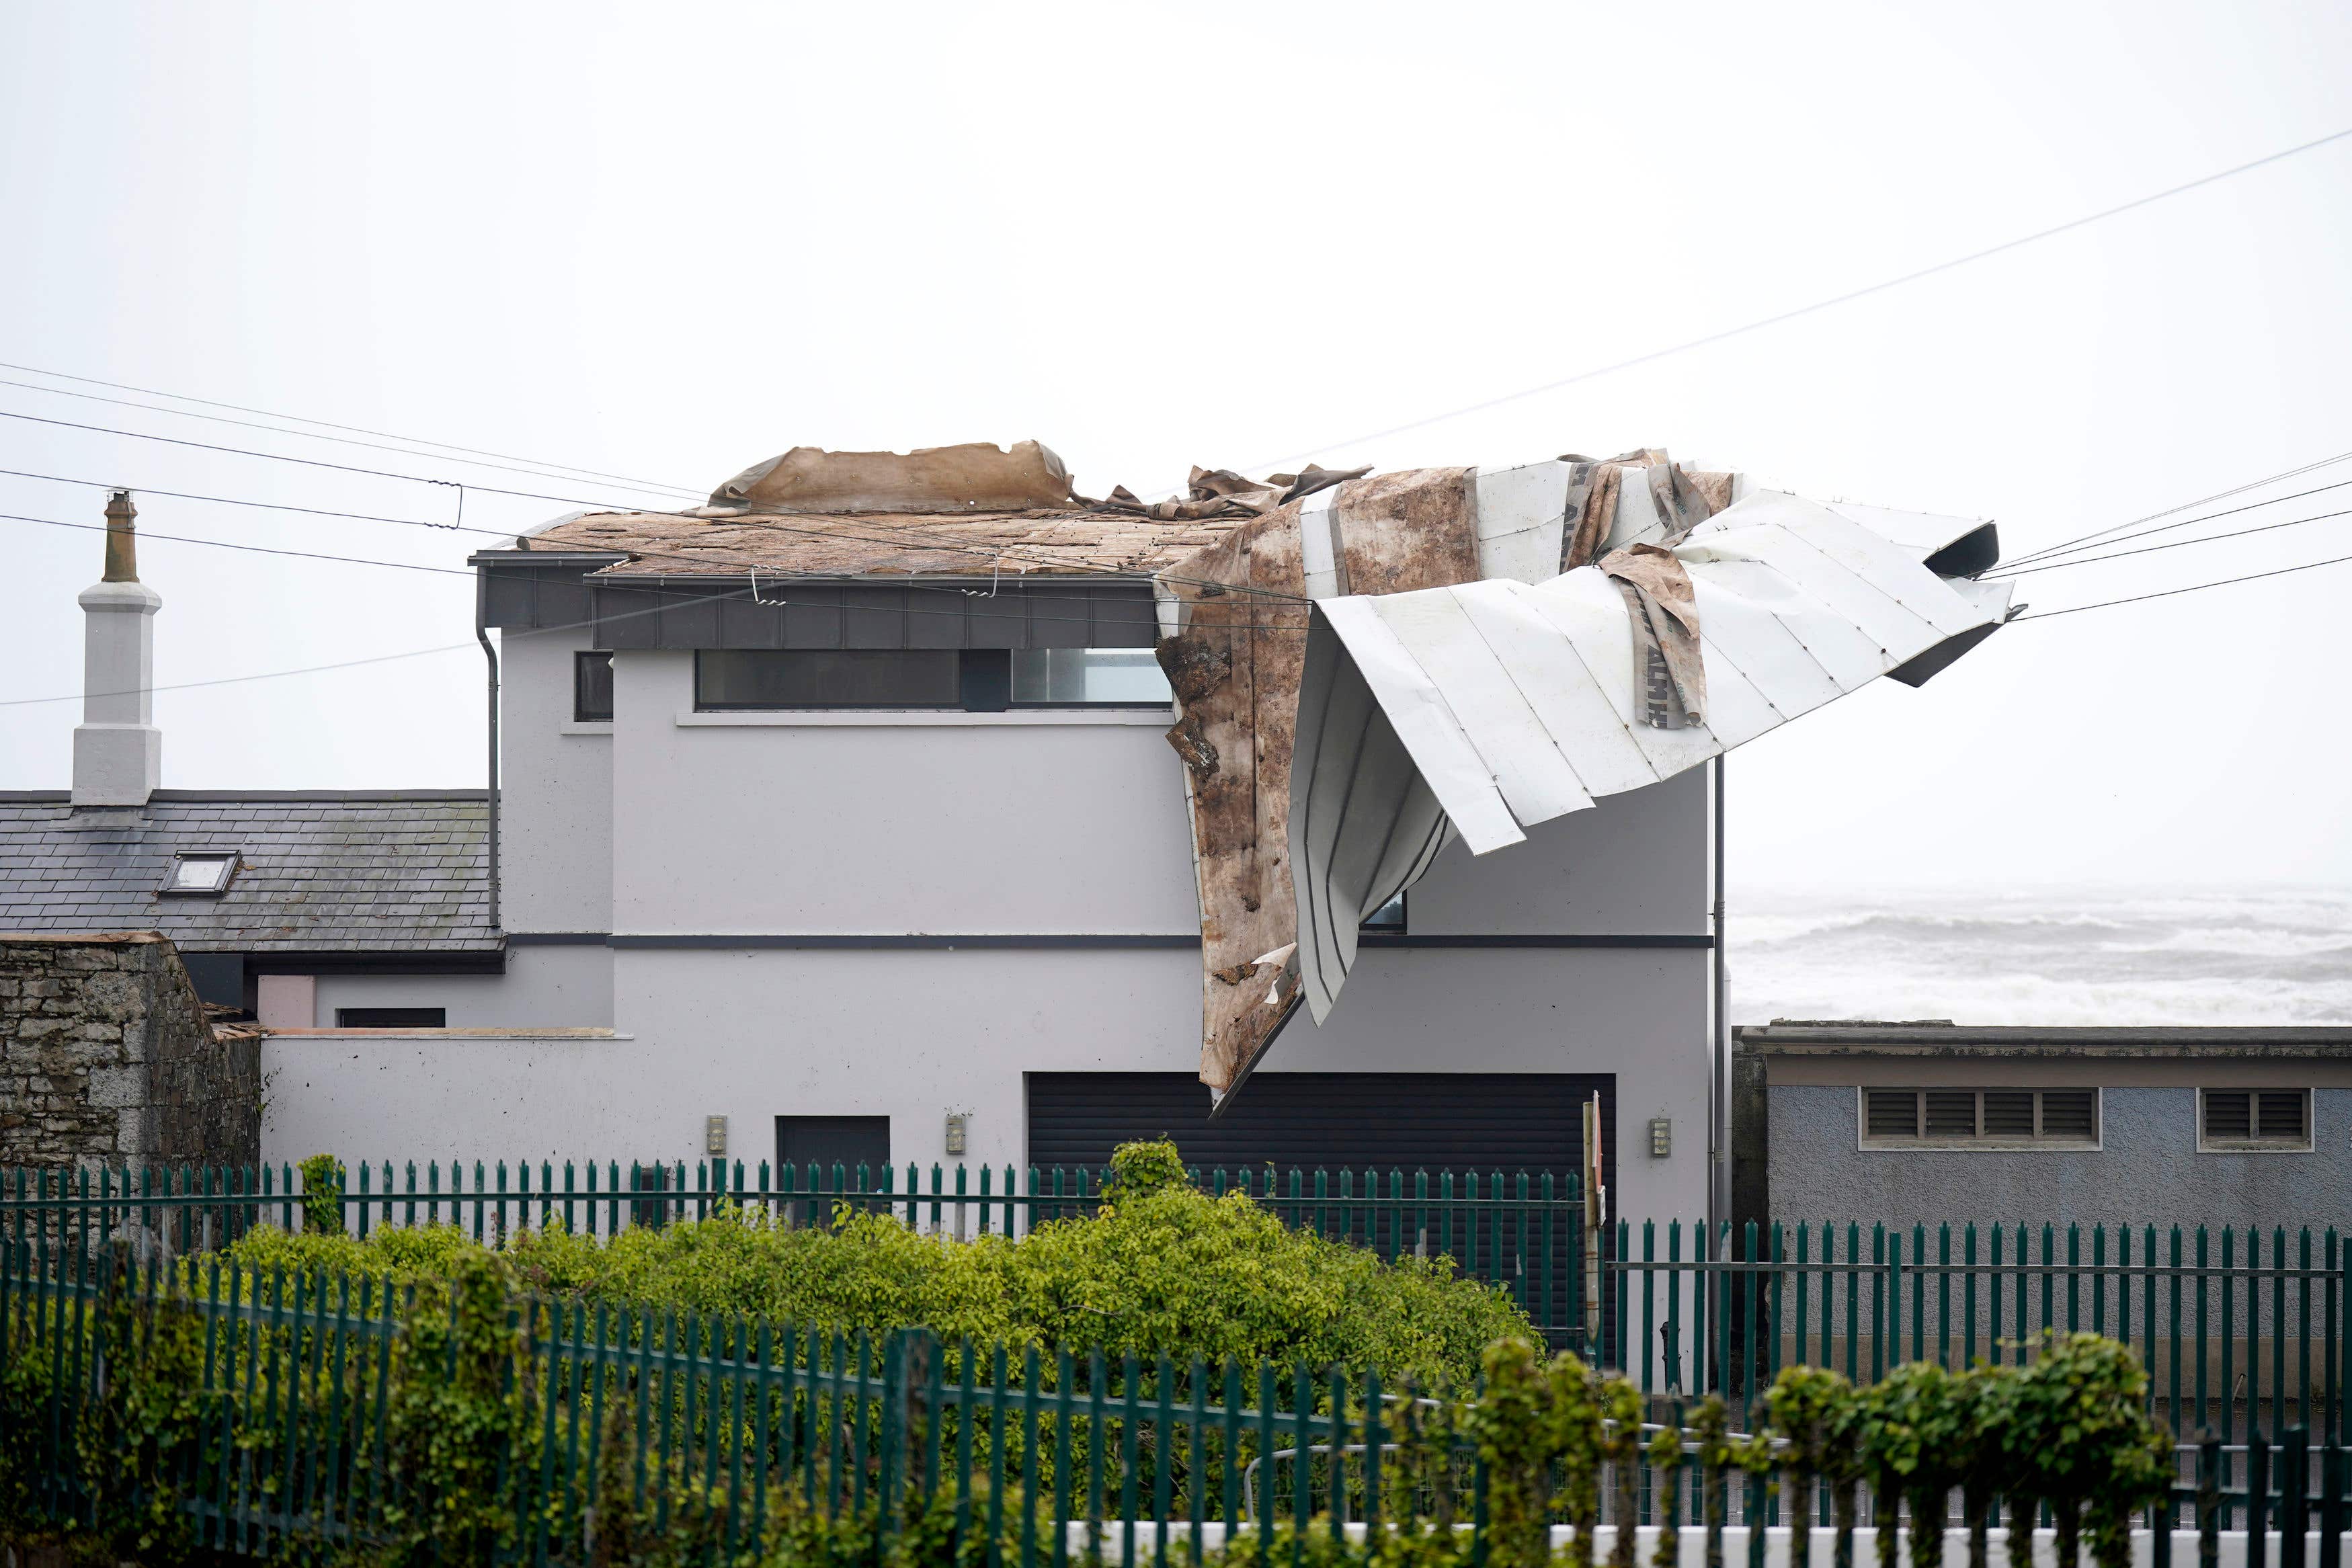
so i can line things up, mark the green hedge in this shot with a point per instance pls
(1160, 1269)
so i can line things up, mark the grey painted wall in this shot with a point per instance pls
(1635, 864)
(889, 823)
(556, 788)
(2149, 1170)
(753, 1034)
(544, 987)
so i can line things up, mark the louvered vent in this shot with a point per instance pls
(2070, 1115)
(2281, 1115)
(2228, 1114)
(1893, 1112)
(2009, 1113)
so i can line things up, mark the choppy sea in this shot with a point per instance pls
(2044, 956)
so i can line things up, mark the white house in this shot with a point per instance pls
(854, 835)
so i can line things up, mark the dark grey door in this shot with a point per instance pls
(815, 1145)
(1408, 1122)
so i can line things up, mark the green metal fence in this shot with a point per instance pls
(717, 1426)
(2227, 1321)
(1524, 1231)
(2230, 1322)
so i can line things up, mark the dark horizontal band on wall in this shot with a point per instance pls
(379, 961)
(895, 942)
(913, 942)
(1539, 940)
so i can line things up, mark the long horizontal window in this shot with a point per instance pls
(826, 677)
(981, 680)
(1980, 1118)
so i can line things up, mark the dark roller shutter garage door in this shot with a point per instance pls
(1380, 1121)
(1410, 1122)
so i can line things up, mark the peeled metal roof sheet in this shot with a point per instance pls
(1482, 708)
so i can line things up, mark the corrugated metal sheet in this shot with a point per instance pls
(1485, 708)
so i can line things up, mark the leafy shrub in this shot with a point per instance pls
(1160, 1269)
(322, 1194)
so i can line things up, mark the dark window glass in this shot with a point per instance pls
(592, 688)
(1088, 677)
(1389, 916)
(826, 677)
(984, 676)
(392, 1018)
(1893, 1113)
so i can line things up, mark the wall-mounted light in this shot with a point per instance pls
(959, 1129)
(1662, 1137)
(714, 1135)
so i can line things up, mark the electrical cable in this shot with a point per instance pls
(551, 469)
(2170, 544)
(1818, 305)
(905, 542)
(2192, 587)
(2082, 542)
(2034, 562)
(346, 440)
(256, 550)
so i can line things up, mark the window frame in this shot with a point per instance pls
(2038, 1143)
(2256, 1144)
(581, 659)
(229, 860)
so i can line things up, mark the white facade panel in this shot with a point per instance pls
(555, 819)
(751, 1035)
(769, 827)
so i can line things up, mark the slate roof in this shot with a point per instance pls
(324, 871)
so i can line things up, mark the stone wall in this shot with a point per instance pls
(105, 1057)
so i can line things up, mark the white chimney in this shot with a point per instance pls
(118, 755)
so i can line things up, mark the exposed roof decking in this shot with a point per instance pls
(886, 544)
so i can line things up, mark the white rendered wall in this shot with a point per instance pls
(776, 824)
(751, 1035)
(1636, 864)
(555, 821)
(544, 987)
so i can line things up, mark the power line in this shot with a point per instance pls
(904, 542)
(1819, 305)
(2031, 562)
(549, 468)
(271, 505)
(2192, 587)
(2173, 544)
(256, 550)
(701, 558)
(2085, 541)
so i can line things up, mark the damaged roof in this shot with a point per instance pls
(319, 871)
(883, 544)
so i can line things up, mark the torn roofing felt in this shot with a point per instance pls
(1489, 649)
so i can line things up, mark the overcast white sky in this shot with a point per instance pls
(667, 241)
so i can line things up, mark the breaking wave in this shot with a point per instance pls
(2066, 958)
